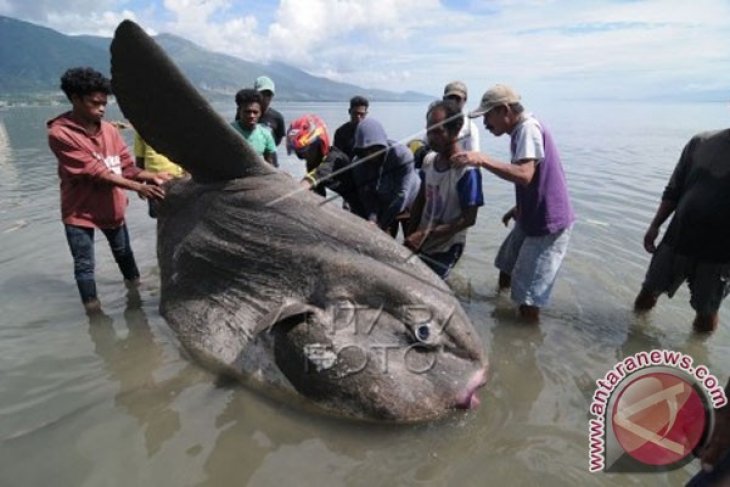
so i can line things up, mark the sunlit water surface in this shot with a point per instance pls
(116, 403)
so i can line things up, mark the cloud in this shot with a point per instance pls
(313, 31)
(98, 24)
(40, 10)
(594, 48)
(93, 17)
(198, 21)
(549, 47)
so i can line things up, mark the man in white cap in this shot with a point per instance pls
(469, 134)
(269, 117)
(531, 255)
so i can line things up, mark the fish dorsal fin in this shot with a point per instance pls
(170, 114)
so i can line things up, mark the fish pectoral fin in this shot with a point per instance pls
(293, 313)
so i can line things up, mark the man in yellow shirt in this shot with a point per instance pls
(149, 159)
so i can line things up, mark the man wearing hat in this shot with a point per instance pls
(469, 134)
(531, 255)
(269, 117)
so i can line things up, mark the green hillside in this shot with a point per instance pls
(32, 58)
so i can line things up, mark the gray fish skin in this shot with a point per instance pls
(262, 281)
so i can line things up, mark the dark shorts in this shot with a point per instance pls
(709, 282)
(442, 262)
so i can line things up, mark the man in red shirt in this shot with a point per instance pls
(95, 168)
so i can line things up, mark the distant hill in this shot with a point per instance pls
(32, 58)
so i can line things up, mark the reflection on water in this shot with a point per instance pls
(4, 145)
(131, 361)
(519, 344)
(114, 401)
(8, 175)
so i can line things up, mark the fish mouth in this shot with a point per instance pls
(469, 398)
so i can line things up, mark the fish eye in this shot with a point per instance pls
(423, 333)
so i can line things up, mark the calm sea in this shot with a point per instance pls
(115, 403)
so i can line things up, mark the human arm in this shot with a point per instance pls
(270, 149)
(666, 208)
(527, 151)
(521, 172)
(147, 191)
(471, 197)
(511, 213)
(398, 167)
(279, 130)
(157, 178)
(670, 198)
(270, 157)
(132, 174)
(365, 177)
(120, 124)
(442, 231)
(322, 174)
(413, 237)
(309, 180)
(78, 162)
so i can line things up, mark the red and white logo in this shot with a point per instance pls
(652, 412)
(659, 419)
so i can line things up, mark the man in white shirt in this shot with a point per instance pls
(469, 134)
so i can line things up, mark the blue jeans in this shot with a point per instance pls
(81, 243)
(533, 263)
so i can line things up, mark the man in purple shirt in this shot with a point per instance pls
(530, 256)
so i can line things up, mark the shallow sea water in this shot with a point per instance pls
(116, 402)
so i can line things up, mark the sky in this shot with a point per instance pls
(559, 49)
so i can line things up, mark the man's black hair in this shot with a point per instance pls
(83, 81)
(453, 116)
(247, 96)
(359, 101)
